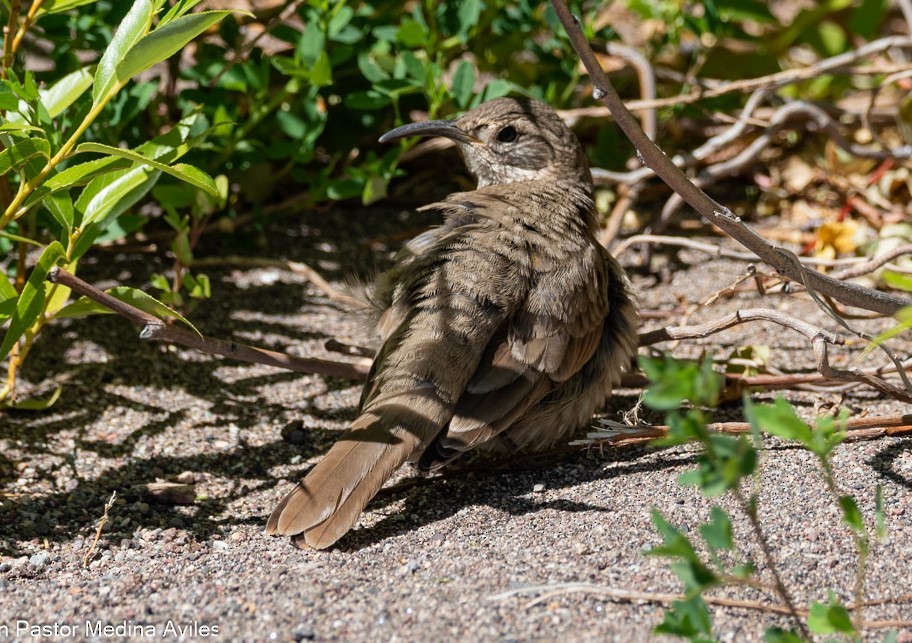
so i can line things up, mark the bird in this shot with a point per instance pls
(505, 326)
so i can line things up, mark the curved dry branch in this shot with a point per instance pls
(154, 328)
(772, 81)
(781, 260)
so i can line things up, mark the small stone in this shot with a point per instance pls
(294, 433)
(538, 488)
(220, 545)
(186, 477)
(5, 567)
(40, 559)
(304, 632)
(410, 567)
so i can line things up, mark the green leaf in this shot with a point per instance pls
(181, 248)
(311, 43)
(84, 306)
(674, 381)
(412, 34)
(675, 544)
(14, 157)
(184, 172)
(134, 26)
(165, 41)
(19, 129)
(340, 19)
(65, 91)
(867, 17)
(59, 6)
(366, 100)
(688, 618)
(370, 69)
(31, 300)
(829, 619)
(851, 514)
(7, 289)
(880, 518)
(780, 419)
(180, 8)
(778, 635)
(468, 14)
(117, 196)
(37, 403)
(73, 176)
(717, 533)
(321, 73)
(374, 190)
(494, 89)
(695, 576)
(463, 83)
(61, 208)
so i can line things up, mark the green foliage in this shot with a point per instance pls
(307, 108)
(721, 466)
(66, 206)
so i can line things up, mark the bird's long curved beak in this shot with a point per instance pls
(447, 129)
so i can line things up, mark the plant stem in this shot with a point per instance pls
(14, 210)
(20, 33)
(11, 28)
(771, 563)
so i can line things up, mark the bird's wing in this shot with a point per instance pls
(544, 343)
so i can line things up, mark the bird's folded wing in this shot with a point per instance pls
(545, 343)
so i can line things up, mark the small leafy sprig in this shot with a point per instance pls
(79, 203)
(687, 391)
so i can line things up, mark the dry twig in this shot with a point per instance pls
(784, 262)
(547, 592)
(101, 524)
(154, 328)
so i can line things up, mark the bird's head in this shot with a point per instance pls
(506, 140)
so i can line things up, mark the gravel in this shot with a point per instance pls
(432, 562)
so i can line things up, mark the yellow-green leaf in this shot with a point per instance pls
(165, 41)
(65, 91)
(134, 26)
(182, 171)
(31, 300)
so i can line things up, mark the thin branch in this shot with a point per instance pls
(710, 147)
(645, 76)
(873, 264)
(615, 434)
(700, 331)
(784, 262)
(752, 152)
(546, 592)
(772, 81)
(155, 328)
(101, 523)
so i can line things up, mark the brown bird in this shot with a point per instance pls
(506, 325)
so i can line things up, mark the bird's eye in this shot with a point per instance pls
(507, 134)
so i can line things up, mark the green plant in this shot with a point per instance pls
(54, 201)
(723, 466)
(309, 107)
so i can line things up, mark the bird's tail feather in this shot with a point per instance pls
(328, 501)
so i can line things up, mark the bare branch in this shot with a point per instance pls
(784, 262)
(772, 81)
(155, 328)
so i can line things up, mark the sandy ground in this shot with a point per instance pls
(431, 562)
